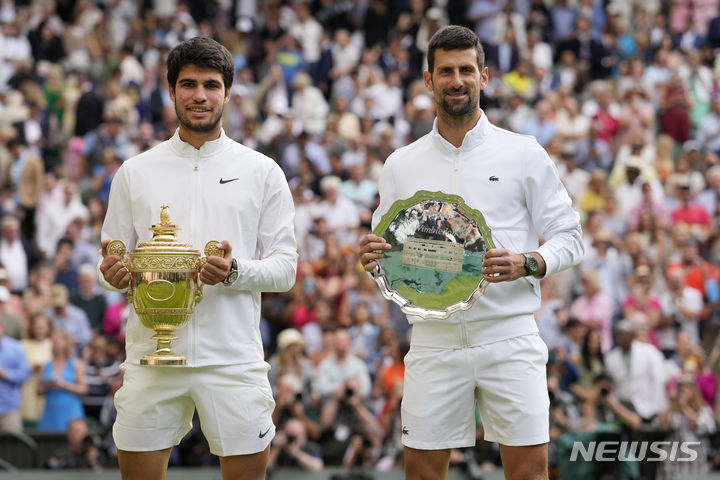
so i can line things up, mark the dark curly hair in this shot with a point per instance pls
(201, 52)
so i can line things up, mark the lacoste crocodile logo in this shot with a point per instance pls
(493, 178)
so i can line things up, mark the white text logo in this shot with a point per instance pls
(635, 451)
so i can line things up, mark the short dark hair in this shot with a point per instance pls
(455, 37)
(65, 241)
(201, 52)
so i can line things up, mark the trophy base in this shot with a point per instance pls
(163, 360)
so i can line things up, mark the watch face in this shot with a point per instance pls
(531, 265)
(232, 277)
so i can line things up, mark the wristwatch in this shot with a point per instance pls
(233, 273)
(531, 264)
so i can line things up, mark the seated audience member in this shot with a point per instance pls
(642, 304)
(69, 318)
(681, 309)
(13, 324)
(17, 254)
(103, 378)
(115, 318)
(589, 366)
(14, 371)
(38, 351)
(65, 272)
(594, 308)
(688, 418)
(637, 371)
(291, 403)
(290, 358)
(364, 335)
(291, 448)
(341, 366)
(81, 451)
(608, 408)
(348, 426)
(63, 385)
(14, 305)
(88, 297)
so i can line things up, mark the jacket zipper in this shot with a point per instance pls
(193, 217)
(456, 169)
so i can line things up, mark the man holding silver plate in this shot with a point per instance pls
(456, 245)
(201, 185)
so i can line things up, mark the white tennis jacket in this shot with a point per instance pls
(223, 191)
(513, 182)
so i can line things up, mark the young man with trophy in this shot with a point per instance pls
(205, 311)
(456, 244)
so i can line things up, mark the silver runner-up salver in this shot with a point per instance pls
(435, 265)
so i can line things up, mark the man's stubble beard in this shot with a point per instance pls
(202, 128)
(462, 110)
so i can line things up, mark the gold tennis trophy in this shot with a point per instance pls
(164, 286)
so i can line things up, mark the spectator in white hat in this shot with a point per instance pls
(290, 358)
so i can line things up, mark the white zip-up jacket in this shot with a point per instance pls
(223, 191)
(512, 181)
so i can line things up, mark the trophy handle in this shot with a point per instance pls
(118, 247)
(212, 249)
(130, 291)
(126, 262)
(209, 250)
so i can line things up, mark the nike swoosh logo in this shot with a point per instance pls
(264, 433)
(223, 181)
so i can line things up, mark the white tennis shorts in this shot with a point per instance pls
(155, 407)
(507, 378)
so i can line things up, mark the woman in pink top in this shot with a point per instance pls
(594, 308)
(115, 317)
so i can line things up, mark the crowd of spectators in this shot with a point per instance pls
(623, 94)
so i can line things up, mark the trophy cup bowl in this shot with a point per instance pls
(164, 287)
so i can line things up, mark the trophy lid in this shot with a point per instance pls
(164, 238)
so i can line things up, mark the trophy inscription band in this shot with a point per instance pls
(165, 264)
(434, 267)
(164, 287)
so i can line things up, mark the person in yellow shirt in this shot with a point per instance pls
(520, 81)
(596, 194)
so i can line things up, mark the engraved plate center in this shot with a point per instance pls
(160, 290)
(435, 255)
